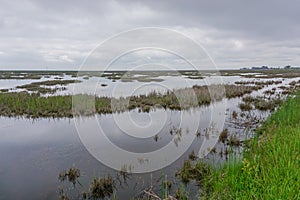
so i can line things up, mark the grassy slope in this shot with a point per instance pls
(271, 168)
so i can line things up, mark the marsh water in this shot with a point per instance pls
(34, 151)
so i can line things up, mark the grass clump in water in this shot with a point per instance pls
(199, 172)
(223, 135)
(101, 188)
(245, 106)
(71, 175)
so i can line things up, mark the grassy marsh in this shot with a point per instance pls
(270, 167)
(269, 73)
(270, 162)
(33, 74)
(260, 103)
(44, 87)
(33, 105)
(266, 83)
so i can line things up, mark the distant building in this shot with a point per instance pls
(260, 68)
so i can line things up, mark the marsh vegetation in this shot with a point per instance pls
(270, 167)
(44, 87)
(33, 105)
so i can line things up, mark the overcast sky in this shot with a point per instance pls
(43, 34)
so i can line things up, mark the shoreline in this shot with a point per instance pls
(270, 167)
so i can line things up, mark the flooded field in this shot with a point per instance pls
(40, 139)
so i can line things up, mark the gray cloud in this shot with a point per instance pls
(59, 34)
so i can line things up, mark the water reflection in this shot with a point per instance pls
(36, 151)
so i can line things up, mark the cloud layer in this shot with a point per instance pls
(40, 34)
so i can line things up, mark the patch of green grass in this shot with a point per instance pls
(33, 105)
(270, 168)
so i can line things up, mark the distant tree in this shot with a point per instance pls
(287, 67)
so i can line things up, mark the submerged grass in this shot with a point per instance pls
(270, 167)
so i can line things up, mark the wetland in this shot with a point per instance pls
(40, 144)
